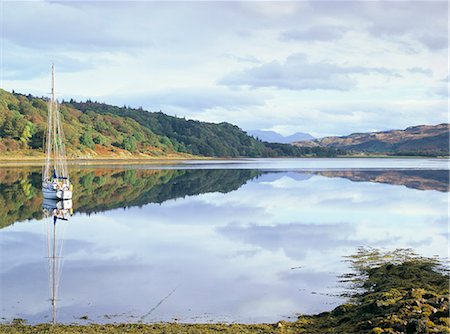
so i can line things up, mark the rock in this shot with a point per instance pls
(428, 295)
(440, 314)
(415, 326)
(342, 309)
(399, 327)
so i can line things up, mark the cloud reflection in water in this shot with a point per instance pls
(270, 249)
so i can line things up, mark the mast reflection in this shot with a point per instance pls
(57, 214)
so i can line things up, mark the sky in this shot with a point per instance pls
(325, 68)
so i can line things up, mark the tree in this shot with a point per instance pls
(100, 139)
(27, 132)
(86, 139)
(129, 144)
(37, 140)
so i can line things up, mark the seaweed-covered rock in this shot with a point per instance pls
(396, 292)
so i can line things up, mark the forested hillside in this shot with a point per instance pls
(202, 138)
(95, 129)
(23, 121)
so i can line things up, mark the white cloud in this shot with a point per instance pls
(298, 73)
(196, 99)
(315, 33)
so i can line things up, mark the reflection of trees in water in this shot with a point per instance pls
(100, 192)
(415, 179)
(20, 195)
(105, 189)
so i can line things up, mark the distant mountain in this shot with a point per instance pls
(275, 137)
(299, 136)
(428, 140)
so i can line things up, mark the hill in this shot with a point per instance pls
(95, 129)
(203, 138)
(275, 137)
(426, 140)
(23, 122)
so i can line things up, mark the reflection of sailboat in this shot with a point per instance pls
(58, 210)
(55, 177)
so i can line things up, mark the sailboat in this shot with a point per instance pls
(55, 176)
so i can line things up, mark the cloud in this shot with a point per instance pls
(297, 73)
(22, 63)
(439, 91)
(83, 26)
(243, 59)
(421, 22)
(116, 25)
(195, 99)
(434, 42)
(419, 70)
(314, 33)
(45, 25)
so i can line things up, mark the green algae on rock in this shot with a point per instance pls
(391, 292)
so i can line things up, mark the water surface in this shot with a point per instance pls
(242, 241)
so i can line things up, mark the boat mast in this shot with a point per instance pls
(55, 148)
(53, 82)
(49, 138)
(59, 139)
(53, 111)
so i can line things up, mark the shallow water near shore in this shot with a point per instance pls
(206, 241)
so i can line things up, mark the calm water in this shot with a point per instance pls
(235, 241)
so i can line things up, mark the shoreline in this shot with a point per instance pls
(120, 160)
(39, 161)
